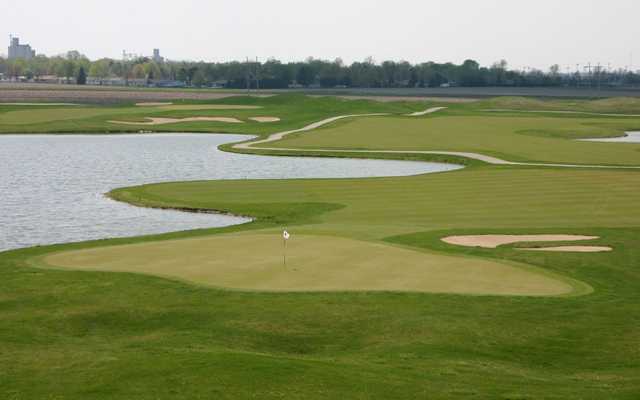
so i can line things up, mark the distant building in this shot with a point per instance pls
(157, 58)
(17, 50)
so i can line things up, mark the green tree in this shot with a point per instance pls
(99, 69)
(138, 71)
(305, 75)
(199, 78)
(16, 68)
(66, 69)
(82, 77)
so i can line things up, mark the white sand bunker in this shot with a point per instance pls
(153, 104)
(573, 249)
(493, 241)
(265, 119)
(163, 121)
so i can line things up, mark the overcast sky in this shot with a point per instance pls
(535, 33)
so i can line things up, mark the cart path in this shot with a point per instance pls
(474, 156)
(427, 111)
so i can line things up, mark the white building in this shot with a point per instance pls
(17, 50)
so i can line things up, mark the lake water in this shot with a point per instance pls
(631, 137)
(52, 186)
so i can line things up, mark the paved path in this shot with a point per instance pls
(474, 156)
(427, 111)
(315, 125)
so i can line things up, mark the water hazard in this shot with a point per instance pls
(52, 186)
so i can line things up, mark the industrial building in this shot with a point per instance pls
(157, 58)
(17, 50)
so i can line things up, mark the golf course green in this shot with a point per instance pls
(371, 303)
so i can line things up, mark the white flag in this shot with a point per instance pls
(285, 235)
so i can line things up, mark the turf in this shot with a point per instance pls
(476, 197)
(294, 111)
(621, 105)
(313, 263)
(515, 138)
(84, 335)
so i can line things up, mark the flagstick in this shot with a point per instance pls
(284, 254)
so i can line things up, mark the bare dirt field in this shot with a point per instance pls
(383, 98)
(473, 92)
(96, 94)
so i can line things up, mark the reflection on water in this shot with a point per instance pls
(631, 137)
(52, 186)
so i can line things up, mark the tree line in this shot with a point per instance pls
(74, 67)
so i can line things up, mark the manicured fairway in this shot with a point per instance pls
(476, 198)
(514, 138)
(315, 263)
(292, 111)
(78, 331)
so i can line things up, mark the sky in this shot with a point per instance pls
(534, 34)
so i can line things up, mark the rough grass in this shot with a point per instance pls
(621, 105)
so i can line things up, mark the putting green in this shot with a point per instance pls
(314, 263)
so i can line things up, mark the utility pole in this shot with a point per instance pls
(257, 75)
(248, 78)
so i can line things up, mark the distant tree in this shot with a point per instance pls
(199, 79)
(181, 74)
(497, 73)
(305, 75)
(16, 68)
(74, 55)
(152, 71)
(82, 77)
(99, 69)
(138, 71)
(66, 70)
(191, 72)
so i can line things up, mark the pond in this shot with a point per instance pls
(630, 137)
(52, 186)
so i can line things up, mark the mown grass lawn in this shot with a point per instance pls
(544, 138)
(84, 335)
(294, 111)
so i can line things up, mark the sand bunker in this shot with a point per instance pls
(153, 104)
(163, 121)
(573, 249)
(493, 241)
(265, 119)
